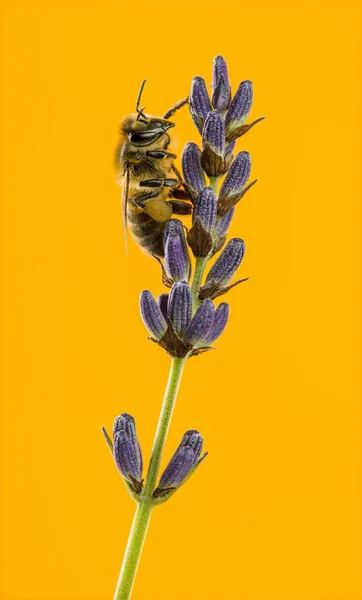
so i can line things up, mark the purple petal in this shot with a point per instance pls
(205, 209)
(201, 323)
(162, 302)
(180, 307)
(240, 106)
(184, 459)
(191, 166)
(152, 315)
(237, 175)
(177, 260)
(200, 104)
(213, 132)
(126, 448)
(223, 224)
(227, 263)
(220, 85)
(220, 319)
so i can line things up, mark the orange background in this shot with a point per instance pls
(274, 513)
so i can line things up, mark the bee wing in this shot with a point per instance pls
(124, 202)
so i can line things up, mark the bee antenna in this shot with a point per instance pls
(140, 94)
(140, 113)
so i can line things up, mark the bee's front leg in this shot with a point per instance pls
(160, 154)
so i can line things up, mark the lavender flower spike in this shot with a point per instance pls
(181, 464)
(230, 258)
(177, 260)
(180, 307)
(200, 104)
(191, 168)
(201, 324)
(220, 85)
(220, 320)
(152, 315)
(127, 451)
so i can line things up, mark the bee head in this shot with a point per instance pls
(142, 129)
(145, 131)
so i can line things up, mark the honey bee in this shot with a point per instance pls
(152, 187)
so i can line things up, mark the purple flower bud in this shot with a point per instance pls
(162, 302)
(180, 307)
(152, 315)
(221, 316)
(201, 323)
(220, 85)
(230, 147)
(205, 209)
(181, 463)
(213, 133)
(230, 258)
(237, 175)
(200, 104)
(177, 260)
(223, 224)
(240, 106)
(191, 167)
(127, 451)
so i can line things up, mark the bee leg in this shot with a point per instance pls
(160, 154)
(141, 199)
(182, 193)
(159, 183)
(171, 111)
(180, 208)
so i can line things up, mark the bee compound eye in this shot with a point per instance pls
(144, 138)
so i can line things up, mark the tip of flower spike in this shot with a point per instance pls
(220, 85)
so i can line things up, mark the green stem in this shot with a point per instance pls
(172, 387)
(133, 551)
(214, 183)
(145, 501)
(143, 513)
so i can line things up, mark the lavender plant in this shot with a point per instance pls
(185, 321)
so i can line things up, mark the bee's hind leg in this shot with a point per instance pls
(180, 208)
(141, 199)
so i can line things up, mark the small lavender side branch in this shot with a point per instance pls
(185, 322)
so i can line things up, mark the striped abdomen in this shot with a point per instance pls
(147, 231)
